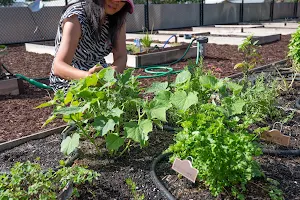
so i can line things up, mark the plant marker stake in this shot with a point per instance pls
(276, 136)
(185, 168)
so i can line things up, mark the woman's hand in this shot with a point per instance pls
(94, 69)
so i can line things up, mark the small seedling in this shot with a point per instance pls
(132, 187)
(294, 50)
(251, 56)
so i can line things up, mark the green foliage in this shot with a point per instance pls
(146, 41)
(251, 55)
(28, 181)
(221, 151)
(215, 115)
(131, 48)
(132, 187)
(294, 50)
(6, 2)
(3, 49)
(109, 106)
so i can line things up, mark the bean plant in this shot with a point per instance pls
(107, 105)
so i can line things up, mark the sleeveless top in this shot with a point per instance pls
(89, 52)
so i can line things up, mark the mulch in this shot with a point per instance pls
(18, 116)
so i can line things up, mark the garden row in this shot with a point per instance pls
(218, 126)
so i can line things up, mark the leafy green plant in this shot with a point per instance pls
(28, 181)
(132, 48)
(6, 2)
(3, 49)
(215, 115)
(147, 40)
(132, 187)
(251, 55)
(294, 50)
(221, 151)
(107, 105)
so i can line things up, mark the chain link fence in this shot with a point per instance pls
(19, 24)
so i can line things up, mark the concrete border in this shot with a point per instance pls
(14, 143)
(132, 60)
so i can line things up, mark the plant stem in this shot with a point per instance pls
(124, 150)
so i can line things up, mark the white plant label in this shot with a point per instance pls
(185, 168)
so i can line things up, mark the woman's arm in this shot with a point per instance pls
(64, 56)
(120, 51)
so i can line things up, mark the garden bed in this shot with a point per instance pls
(136, 164)
(19, 118)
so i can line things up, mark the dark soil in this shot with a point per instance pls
(46, 149)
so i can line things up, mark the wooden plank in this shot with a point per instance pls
(13, 143)
(10, 86)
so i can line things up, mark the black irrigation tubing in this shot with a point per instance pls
(156, 180)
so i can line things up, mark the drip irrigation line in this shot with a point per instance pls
(156, 180)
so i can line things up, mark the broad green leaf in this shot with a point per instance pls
(125, 77)
(236, 88)
(103, 125)
(208, 81)
(85, 93)
(182, 101)
(159, 113)
(114, 142)
(138, 132)
(183, 77)
(69, 144)
(109, 126)
(117, 112)
(237, 107)
(68, 110)
(163, 96)
(68, 97)
(91, 80)
(157, 87)
(109, 75)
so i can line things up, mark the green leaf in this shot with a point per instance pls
(237, 107)
(157, 87)
(208, 81)
(183, 77)
(69, 144)
(182, 101)
(103, 125)
(158, 113)
(46, 104)
(91, 80)
(68, 97)
(114, 142)
(68, 110)
(50, 119)
(125, 77)
(138, 132)
(109, 75)
(117, 112)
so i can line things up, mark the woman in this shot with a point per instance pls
(87, 32)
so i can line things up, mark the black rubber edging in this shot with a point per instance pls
(156, 180)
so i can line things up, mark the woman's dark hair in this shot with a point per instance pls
(95, 12)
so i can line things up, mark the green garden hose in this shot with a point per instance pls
(165, 69)
(150, 69)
